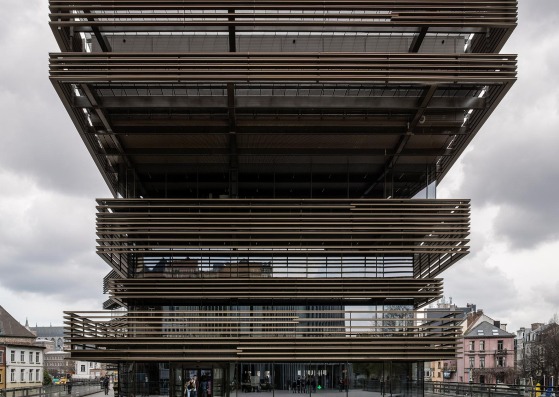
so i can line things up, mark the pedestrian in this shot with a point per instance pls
(204, 385)
(191, 388)
(106, 385)
(187, 387)
(194, 389)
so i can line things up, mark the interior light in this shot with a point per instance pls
(468, 42)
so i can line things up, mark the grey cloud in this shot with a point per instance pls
(472, 281)
(550, 294)
(47, 240)
(514, 162)
(520, 177)
(48, 244)
(38, 138)
(64, 279)
(477, 279)
(71, 276)
(544, 10)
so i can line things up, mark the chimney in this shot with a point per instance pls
(497, 324)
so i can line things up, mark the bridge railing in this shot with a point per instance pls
(488, 390)
(78, 389)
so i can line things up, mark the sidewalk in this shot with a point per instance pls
(98, 393)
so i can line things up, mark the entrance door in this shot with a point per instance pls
(207, 381)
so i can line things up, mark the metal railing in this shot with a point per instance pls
(285, 13)
(284, 238)
(282, 334)
(78, 389)
(236, 67)
(487, 390)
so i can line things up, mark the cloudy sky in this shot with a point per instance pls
(48, 183)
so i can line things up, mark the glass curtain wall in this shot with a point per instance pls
(249, 379)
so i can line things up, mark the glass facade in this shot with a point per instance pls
(246, 379)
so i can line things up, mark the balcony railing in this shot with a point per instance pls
(282, 13)
(498, 352)
(224, 67)
(352, 291)
(298, 333)
(236, 238)
(497, 18)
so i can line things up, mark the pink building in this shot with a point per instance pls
(487, 355)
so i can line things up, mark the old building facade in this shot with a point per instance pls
(488, 355)
(23, 359)
(2, 366)
(537, 353)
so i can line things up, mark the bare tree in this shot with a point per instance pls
(541, 356)
(550, 349)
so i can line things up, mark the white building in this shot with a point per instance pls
(23, 359)
(88, 370)
(24, 366)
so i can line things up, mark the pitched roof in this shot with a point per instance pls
(9, 326)
(487, 330)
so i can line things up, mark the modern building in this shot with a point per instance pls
(274, 167)
(22, 360)
(488, 355)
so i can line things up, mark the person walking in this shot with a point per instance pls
(191, 388)
(187, 387)
(194, 388)
(106, 385)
